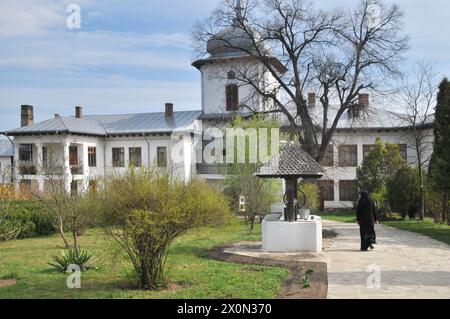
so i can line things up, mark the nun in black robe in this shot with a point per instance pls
(366, 216)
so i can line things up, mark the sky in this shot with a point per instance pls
(133, 56)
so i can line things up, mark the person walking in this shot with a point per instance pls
(367, 218)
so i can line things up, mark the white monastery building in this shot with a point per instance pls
(85, 147)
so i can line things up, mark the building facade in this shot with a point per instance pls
(80, 148)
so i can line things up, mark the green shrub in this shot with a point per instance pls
(157, 209)
(403, 192)
(311, 191)
(72, 256)
(25, 219)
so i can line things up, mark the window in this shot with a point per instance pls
(161, 156)
(404, 151)
(92, 156)
(231, 75)
(135, 156)
(327, 190)
(348, 155)
(232, 97)
(367, 149)
(26, 152)
(73, 155)
(347, 191)
(118, 157)
(328, 160)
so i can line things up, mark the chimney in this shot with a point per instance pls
(363, 100)
(169, 110)
(78, 112)
(311, 100)
(27, 115)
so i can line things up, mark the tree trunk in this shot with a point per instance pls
(446, 210)
(422, 195)
(61, 232)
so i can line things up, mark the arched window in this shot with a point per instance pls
(232, 97)
(231, 75)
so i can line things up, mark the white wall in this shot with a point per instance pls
(214, 82)
(361, 138)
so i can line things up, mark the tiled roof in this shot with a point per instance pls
(291, 161)
(103, 125)
(6, 149)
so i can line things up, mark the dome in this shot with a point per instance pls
(232, 40)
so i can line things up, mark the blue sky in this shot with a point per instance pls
(133, 56)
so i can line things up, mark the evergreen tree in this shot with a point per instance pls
(440, 161)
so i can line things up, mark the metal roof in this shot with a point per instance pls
(369, 118)
(103, 125)
(292, 161)
(6, 149)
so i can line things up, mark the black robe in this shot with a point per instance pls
(366, 216)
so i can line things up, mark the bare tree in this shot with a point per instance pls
(70, 210)
(337, 54)
(418, 97)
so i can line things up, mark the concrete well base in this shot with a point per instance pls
(300, 236)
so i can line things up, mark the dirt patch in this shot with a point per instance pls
(7, 282)
(292, 287)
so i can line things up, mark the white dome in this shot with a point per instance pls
(233, 40)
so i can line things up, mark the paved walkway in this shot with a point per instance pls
(411, 265)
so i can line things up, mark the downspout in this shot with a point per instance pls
(148, 151)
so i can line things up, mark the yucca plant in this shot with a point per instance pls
(72, 256)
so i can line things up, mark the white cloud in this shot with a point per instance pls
(27, 18)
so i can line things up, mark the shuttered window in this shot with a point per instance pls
(404, 151)
(161, 156)
(347, 191)
(328, 160)
(348, 155)
(135, 156)
(92, 156)
(327, 190)
(232, 97)
(26, 152)
(118, 157)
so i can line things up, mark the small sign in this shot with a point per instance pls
(242, 204)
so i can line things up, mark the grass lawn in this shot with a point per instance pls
(428, 227)
(190, 273)
(343, 216)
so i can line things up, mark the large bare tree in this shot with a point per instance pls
(418, 98)
(337, 54)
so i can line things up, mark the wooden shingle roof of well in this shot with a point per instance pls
(291, 161)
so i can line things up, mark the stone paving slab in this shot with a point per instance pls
(411, 265)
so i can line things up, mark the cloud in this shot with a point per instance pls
(72, 51)
(28, 18)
